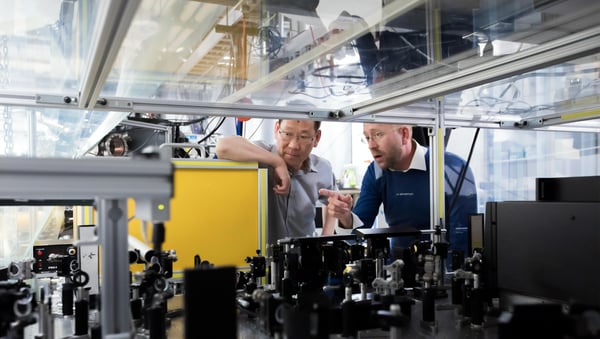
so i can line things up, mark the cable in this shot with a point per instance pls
(219, 124)
(161, 121)
(221, 121)
(256, 130)
(463, 173)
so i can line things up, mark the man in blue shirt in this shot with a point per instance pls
(398, 178)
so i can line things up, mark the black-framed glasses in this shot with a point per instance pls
(376, 137)
(302, 138)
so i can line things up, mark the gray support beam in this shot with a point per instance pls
(89, 178)
(113, 23)
(114, 289)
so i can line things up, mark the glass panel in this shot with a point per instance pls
(269, 53)
(570, 90)
(21, 226)
(52, 133)
(507, 162)
(324, 54)
(43, 44)
(43, 47)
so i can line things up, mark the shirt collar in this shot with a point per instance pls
(418, 160)
(308, 165)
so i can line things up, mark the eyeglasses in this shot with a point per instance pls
(302, 138)
(376, 137)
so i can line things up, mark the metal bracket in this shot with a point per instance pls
(56, 99)
(332, 114)
(523, 124)
(114, 104)
(319, 114)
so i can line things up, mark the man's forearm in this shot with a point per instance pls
(239, 149)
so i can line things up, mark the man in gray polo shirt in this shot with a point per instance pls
(295, 176)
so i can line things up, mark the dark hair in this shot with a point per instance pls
(317, 124)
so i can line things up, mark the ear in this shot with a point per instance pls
(406, 135)
(276, 127)
(317, 138)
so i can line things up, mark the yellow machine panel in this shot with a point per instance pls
(217, 213)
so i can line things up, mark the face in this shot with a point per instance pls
(390, 145)
(295, 140)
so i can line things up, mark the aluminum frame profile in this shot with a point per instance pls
(113, 25)
(205, 108)
(60, 178)
(574, 115)
(17, 99)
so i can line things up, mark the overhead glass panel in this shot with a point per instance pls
(330, 54)
(566, 94)
(227, 51)
(43, 44)
(268, 53)
(507, 38)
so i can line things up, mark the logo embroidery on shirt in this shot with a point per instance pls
(404, 194)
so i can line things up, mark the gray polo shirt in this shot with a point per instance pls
(293, 215)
